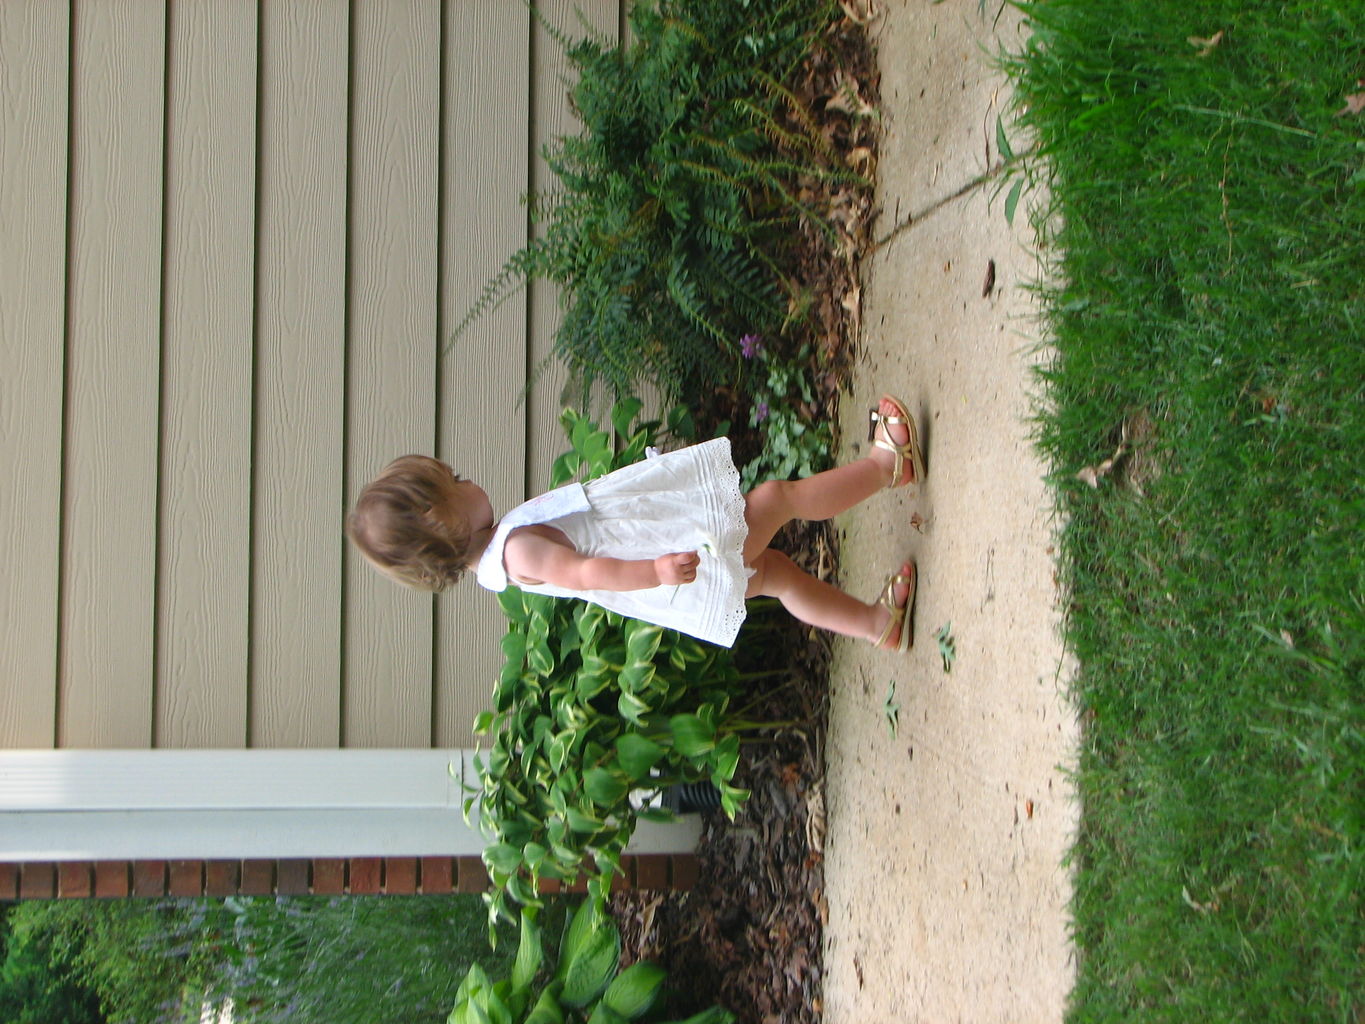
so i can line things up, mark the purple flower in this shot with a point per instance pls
(750, 345)
(760, 412)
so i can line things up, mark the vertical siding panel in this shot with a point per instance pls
(109, 526)
(552, 79)
(206, 375)
(301, 274)
(391, 383)
(482, 419)
(33, 135)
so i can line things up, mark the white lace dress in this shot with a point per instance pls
(680, 501)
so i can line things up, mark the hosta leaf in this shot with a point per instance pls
(634, 990)
(547, 1010)
(589, 957)
(715, 1015)
(577, 932)
(529, 952)
(604, 1014)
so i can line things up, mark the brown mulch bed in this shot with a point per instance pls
(748, 935)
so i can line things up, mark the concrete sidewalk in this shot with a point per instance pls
(946, 834)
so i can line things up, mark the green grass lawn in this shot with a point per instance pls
(1207, 216)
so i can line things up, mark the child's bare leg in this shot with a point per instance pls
(821, 604)
(771, 505)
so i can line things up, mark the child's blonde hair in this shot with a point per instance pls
(402, 526)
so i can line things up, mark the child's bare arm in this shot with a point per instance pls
(534, 557)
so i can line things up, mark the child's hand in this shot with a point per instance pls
(677, 568)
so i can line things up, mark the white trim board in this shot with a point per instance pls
(87, 780)
(209, 804)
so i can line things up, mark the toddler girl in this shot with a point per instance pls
(670, 539)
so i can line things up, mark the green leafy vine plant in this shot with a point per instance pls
(584, 985)
(590, 707)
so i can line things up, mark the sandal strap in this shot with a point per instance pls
(908, 450)
(898, 611)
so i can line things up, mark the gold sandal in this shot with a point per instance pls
(909, 450)
(900, 614)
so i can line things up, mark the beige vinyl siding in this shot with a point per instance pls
(33, 175)
(300, 374)
(113, 369)
(220, 317)
(205, 493)
(392, 357)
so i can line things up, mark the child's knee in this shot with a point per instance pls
(769, 573)
(768, 497)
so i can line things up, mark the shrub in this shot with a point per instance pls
(675, 202)
(584, 985)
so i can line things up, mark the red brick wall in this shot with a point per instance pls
(356, 875)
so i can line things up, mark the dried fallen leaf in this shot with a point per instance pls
(860, 12)
(1092, 475)
(1355, 103)
(860, 158)
(848, 101)
(1207, 45)
(1193, 904)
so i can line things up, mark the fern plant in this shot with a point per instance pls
(674, 204)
